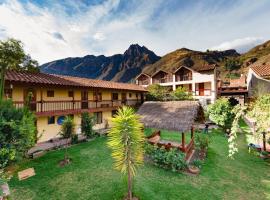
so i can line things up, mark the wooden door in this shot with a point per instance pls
(124, 97)
(201, 89)
(30, 98)
(84, 98)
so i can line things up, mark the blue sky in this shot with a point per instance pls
(53, 29)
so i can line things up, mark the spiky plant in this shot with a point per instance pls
(126, 140)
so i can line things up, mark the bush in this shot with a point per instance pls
(157, 92)
(181, 93)
(172, 159)
(17, 132)
(202, 141)
(74, 139)
(197, 163)
(221, 113)
(87, 125)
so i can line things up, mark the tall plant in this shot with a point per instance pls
(87, 124)
(67, 131)
(126, 140)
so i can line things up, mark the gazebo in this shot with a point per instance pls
(173, 116)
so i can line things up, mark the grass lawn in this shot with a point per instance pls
(91, 176)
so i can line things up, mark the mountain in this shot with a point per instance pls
(119, 67)
(190, 58)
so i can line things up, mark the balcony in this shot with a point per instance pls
(145, 82)
(162, 80)
(186, 77)
(48, 108)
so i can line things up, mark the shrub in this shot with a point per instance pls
(202, 141)
(198, 163)
(17, 132)
(157, 92)
(181, 93)
(172, 159)
(87, 124)
(221, 113)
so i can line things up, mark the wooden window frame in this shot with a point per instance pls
(50, 93)
(71, 93)
(97, 118)
(51, 118)
(113, 97)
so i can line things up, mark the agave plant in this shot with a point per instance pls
(126, 140)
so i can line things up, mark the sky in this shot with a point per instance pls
(55, 29)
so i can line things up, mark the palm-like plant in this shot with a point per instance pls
(126, 140)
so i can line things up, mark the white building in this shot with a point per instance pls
(201, 82)
(258, 80)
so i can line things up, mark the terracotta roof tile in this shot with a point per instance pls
(262, 70)
(204, 67)
(102, 84)
(37, 78)
(50, 79)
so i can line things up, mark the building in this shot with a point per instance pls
(200, 81)
(235, 90)
(53, 97)
(258, 80)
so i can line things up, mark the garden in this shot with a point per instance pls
(90, 175)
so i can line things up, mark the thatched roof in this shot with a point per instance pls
(171, 115)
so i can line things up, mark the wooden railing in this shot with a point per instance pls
(51, 106)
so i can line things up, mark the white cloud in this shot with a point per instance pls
(241, 45)
(99, 36)
(52, 33)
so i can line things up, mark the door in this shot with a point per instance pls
(124, 98)
(201, 89)
(30, 98)
(84, 98)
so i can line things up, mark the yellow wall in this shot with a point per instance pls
(49, 131)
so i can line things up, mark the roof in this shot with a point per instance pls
(102, 84)
(206, 67)
(49, 79)
(171, 115)
(262, 70)
(37, 78)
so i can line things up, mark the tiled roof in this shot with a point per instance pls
(37, 78)
(103, 84)
(262, 70)
(49, 79)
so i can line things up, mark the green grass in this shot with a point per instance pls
(91, 176)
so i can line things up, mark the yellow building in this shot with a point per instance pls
(53, 97)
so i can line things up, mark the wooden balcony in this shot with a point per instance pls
(49, 108)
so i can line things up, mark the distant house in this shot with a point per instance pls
(235, 90)
(258, 80)
(200, 81)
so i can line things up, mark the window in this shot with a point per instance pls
(51, 120)
(70, 94)
(114, 112)
(137, 95)
(114, 96)
(97, 96)
(50, 93)
(130, 95)
(98, 117)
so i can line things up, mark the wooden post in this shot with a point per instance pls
(183, 142)
(264, 141)
(41, 99)
(192, 132)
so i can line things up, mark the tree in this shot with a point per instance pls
(126, 140)
(87, 124)
(232, 64)
(221, 113)
(157, 92)
(17, 132)
(181, 93)
(67, 131)
(13, 57)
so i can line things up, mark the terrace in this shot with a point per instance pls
(46, 108)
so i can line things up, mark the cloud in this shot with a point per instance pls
(70, 28)
(242, 45)
(99, 36)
